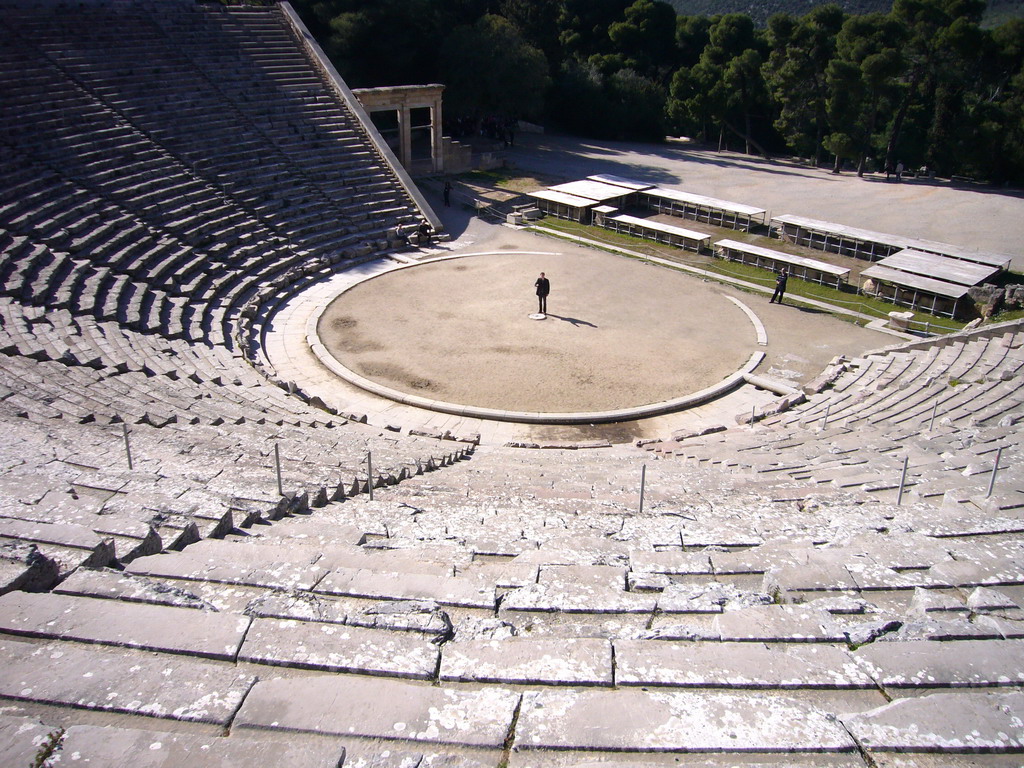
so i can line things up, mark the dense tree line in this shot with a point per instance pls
(924, 84)
(761, 10)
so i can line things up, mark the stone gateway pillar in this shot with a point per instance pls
(409, 117)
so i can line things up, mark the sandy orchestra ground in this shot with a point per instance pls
(619, 332)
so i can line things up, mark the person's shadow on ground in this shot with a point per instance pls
(574, 320)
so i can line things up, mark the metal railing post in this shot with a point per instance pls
(935, 410)
(643, 484)
(995, 471)
(824, 419)
(277, 462)
(127, 445)
(903, 480)
(369, 473)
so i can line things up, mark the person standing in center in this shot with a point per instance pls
(780, 287)
(543, 286)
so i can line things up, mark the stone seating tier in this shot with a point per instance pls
(248, 161)
(770, 603)
(855, 625)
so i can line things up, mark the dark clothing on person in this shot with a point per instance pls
(543, 286)
(780, 287)
(447, 194)
(424, 233)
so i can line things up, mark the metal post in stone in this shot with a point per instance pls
(277, 462)
(643, 484)
(824, 419)
(127, 444)
(753, 410)
(903, 480)
(369, 473)
(995, 471)
(935, 410)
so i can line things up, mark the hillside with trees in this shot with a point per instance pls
(997, 12)
(761, 10)
(925, 83)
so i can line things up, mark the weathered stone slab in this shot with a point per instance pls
(65, 535)
(939, 627)
(903, 552)
(66, 674)
(380, 708)
(260, 551)
(95, 745)
(184, 566)
(647, 582)
(840, 605)
(324, 553)
(21, 740)
(709, 597)
(987, 571)
(610, 576)
(579, 589)
(503, 575)
(1008, 629)
(375, 757)
(942, 759)
(809, 577)
(405, 555)
(946, 722)
(445, 590)
(337, 648)
(722, 535)
(991, 601)
(771, 554)
(117, 585)
(735, 665)
(584, 550)
(674, 563)
(500, 546)
(932, 664)
(131, 625)
(778, 623)
(871, 576)
(301, 606)
(930, 602)
(555, 661)
(633, 720)
(404, 616)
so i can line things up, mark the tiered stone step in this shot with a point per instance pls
(89, 509)
(948, 430)
(111, 745)
(581, 626)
